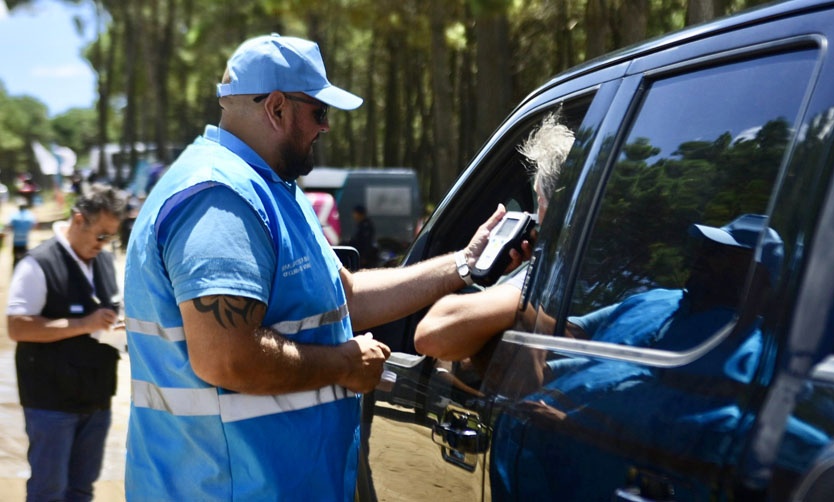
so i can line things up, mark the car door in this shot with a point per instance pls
(650, 391)
(425, 429)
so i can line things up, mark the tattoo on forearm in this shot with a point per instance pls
(228, 309)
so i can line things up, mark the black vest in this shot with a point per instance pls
(76, 374)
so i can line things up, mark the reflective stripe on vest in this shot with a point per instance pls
(230, 407)
(177, 334)
(313, 321)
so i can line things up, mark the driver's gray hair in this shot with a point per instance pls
(546, 149)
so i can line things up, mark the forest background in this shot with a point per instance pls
(438, 76)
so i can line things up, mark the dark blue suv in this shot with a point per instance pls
(701, 171)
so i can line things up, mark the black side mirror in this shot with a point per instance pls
(349, 257)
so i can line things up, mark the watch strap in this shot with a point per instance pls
(463, 268)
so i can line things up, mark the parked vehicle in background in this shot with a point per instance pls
(325, 207)
(390, 195)
(701, 127)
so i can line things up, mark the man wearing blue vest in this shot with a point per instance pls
(245, 371)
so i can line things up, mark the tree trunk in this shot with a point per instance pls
(597, 28)
(699, 11)
(445, 170)
(156, 32)
(634, 17)
(392, 138)
(369, 138)
(494, 82)
(130, 53)
(470, 138)
(103, 107)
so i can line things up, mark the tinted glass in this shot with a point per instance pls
(703, 149)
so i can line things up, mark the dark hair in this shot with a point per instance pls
(359, 208)
(101, 198)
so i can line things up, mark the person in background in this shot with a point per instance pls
(364, 237)
(21, 223)
(246, 373)
(459, 325)
(63, 293)
(27, 188)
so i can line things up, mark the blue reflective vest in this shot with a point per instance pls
(188, 440)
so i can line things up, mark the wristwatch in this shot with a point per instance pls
(463, 268)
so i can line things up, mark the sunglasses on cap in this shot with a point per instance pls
(319, 114)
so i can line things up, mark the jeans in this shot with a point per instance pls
(66, 451)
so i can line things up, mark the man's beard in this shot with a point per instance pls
(297, 162)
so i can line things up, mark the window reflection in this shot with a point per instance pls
(704, 159)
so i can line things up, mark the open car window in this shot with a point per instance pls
(502, 177)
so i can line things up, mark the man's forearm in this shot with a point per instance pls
(383, 295)
(228, 348)
(24, 328)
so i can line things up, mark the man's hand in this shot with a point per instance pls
(479, 241)
(365, 357)
(519, 257)
(101, 319)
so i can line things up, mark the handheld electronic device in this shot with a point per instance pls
(514, 228)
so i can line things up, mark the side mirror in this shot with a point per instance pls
(349, 257)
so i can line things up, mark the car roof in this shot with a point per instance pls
(749, 17)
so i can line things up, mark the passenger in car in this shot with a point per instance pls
(459, 325)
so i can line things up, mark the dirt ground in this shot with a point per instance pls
(14, 469)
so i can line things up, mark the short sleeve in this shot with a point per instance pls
(214, 243)
(27, 289)
(516, 277)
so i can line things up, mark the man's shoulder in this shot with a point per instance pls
(46, 248)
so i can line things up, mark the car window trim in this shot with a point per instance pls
(647, 356)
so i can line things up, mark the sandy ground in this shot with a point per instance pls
(14, 469)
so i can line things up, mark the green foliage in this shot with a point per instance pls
(158, 62)
(22, 121)
(76, 129)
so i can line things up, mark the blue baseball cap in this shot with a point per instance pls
(274, 63)
(747, 231)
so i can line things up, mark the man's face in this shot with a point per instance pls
(719, 273)
(89, 234)
(297, 154)
(308, 122)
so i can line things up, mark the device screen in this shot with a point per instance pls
(507, 228)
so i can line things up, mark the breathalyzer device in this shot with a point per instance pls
(513, 228)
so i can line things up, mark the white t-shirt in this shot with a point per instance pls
(27, 291)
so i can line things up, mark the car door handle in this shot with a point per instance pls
(462, 431)
(461, 436)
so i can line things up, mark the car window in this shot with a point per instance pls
(502, 177)
(701, 150)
